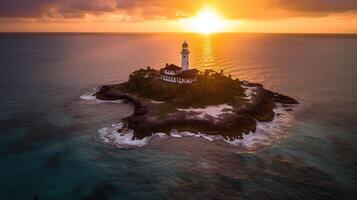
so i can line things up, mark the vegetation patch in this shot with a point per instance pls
(211, 88)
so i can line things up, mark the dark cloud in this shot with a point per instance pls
(24, 8)
(319, 5)
(147, 9)
(93, 5)
(54, 8)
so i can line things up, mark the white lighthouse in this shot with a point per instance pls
(185, 57)
(181, 75)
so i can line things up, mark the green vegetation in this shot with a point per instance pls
(212, 88)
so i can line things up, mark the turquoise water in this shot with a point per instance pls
(50, 147)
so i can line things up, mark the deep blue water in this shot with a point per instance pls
(50, 146)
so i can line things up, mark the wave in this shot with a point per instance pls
(124, 139)
(266, 134)
(250, 91)
(88, 97)
(120, 139)
(177, 134)
(92, 98)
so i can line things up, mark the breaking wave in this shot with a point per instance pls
(90, 96)
(124, 139)
(268, 133)
(120, 139)
(250, 92)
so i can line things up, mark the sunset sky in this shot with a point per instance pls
(282, 16)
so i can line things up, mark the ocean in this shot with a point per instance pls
(51, 131)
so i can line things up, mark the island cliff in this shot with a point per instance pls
(160, 106)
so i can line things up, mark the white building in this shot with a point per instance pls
(185, 53)
(174, 74)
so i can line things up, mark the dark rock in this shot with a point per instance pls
(284, 99)
(231, 126)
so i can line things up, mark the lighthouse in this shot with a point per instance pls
(181, 75)
(185, 57)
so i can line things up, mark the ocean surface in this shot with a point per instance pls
(51, 131)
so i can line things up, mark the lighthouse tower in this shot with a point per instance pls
(185, 57)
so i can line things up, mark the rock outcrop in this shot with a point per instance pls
(231, 125)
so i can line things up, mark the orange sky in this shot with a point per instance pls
(278, 16)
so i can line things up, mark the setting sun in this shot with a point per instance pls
(207, 21)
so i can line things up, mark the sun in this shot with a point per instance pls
(207, 21)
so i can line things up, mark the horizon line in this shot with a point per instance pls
(123, 32)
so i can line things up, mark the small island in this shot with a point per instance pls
(183, 99)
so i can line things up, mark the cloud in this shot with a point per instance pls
(27, 8)
(319, 5)
(54, 8)
(173, 9)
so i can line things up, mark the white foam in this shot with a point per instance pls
(125, 139)
(88, 97)
(206, 137)
(92, 98)
(121, 140)
(213, 111)
(161, 135)
(177, 134)
(157, 102)
(267, 133)
(186, 133)
(249, 92)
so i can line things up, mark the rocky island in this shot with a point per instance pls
(215, 104)
(183, 99)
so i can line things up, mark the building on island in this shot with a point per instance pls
(175, 74)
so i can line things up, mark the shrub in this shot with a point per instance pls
(210, 89)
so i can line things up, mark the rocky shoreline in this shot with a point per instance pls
(231, 125)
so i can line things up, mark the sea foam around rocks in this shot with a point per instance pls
(250, 91)
(120, 139)
(90, 96)
(267, 133)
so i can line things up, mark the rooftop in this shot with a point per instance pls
(188, 74)
(172, 67)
